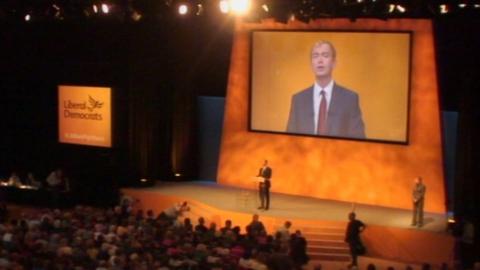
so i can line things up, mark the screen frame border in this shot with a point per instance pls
(409, 82)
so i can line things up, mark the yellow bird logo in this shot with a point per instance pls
(94, 104)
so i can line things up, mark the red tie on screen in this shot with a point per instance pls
(322, 114)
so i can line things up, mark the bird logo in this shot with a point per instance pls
(94, 104)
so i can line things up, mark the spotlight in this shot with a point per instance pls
(136, 16)
(462, 5)
(265, 8)
(391, 8)
(224, 6)
(401, 8)
(105, 8)
(143, 180)
(240, 7)
(182, 9)
(27, 17)
(444, 9)
(95, 9)
(199, 10)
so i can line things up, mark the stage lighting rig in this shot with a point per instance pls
(240, 7)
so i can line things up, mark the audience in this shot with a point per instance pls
(121, 238)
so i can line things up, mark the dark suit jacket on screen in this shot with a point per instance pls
(344, 117)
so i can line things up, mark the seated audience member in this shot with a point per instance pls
(284, 231)
(32, 180)
(200, 227)
(371, 266)
(227, 227)
(176, 210)
(426, 266)
(298, 250)
(187, 225)
(255, 227)
(14, 180)
(56, 180)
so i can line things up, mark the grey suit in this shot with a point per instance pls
(344, 117)
(418, 195)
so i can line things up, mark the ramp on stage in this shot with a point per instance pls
(388, 234)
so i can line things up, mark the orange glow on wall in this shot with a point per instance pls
(84, 115)
(355, 171)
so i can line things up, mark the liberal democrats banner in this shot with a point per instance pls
(84, 115)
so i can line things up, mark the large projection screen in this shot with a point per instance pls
(360, 171)
(84, 115)
(369, 83)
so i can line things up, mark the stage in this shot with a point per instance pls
(388, 235)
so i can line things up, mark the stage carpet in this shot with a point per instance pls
(388, 236)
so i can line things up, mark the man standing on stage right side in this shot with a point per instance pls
(418, 197)
(352, 237)
(264, 186)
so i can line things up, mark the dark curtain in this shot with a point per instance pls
(150, 103)
(458, 55)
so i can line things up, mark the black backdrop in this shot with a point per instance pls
(157, 69)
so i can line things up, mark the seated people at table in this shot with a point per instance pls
(56, 180)
(14, 180)
(32, 181)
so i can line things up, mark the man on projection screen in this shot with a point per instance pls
(325, 108)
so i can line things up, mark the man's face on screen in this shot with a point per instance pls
(323, 60)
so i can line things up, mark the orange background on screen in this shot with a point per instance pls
(363, 172)
(374, 65)
(87, 132)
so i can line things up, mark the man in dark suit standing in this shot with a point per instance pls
(325, 108)
(352, 237)
(265, 173)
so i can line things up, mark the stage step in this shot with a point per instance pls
(329, 257)
(325, 236)
(326, 244)
(328, 230)
(329, 250)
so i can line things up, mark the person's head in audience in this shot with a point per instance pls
(409, 267)
(371, 266)
(426, 266)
